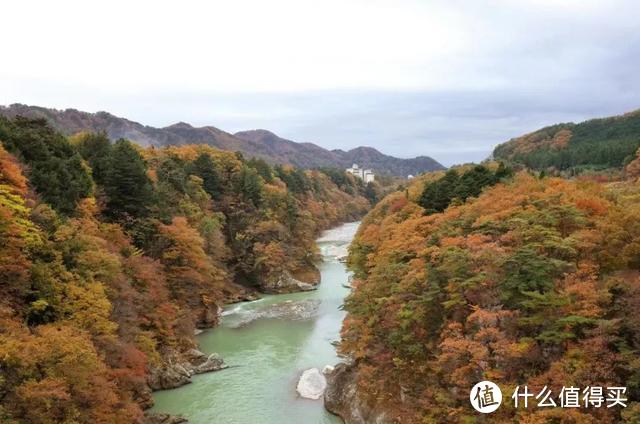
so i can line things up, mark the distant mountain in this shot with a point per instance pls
(255, 143)
(309, 155)
(594, 144)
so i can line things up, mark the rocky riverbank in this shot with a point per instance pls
(178, 372)
(178, 367)
(292, 283)
(278, 342)
(341, 398)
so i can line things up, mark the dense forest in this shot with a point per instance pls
(592, 145)
(112, 255)
(531, 281)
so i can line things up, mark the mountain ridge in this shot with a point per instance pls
(599, 143)
(259, 143)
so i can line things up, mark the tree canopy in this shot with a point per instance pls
(111, 255)
(528, 281)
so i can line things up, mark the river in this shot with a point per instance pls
(267, 355)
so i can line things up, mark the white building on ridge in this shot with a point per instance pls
(365, 175)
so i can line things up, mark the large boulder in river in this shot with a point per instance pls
(311, 384)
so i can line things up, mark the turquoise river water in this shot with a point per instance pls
(267, 355)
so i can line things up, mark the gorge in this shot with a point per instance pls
(267, 344)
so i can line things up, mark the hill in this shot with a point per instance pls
(309, 155)
(530, 283)
(261, 144)
(111, 255)
(595, 144)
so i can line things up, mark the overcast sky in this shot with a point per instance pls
(449, 79)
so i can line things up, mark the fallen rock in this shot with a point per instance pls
(311, 384)
(328, 369)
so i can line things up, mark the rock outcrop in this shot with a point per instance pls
(168, 376)
(341, 398)
(178, 373)
(208, 315)
(311, 384)
(200, 362)
(286, 283)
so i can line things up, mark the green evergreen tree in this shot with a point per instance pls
(338, 176)
(370, 193)
(249, 184)
(263, 168)
(127, 186)
(95, 148)
(172, 171)
(205, 167)
(437, 195)
(503, 172)
(296, 179)
(55, 169)
(472, 182)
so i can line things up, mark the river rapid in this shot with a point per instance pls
(267, 344)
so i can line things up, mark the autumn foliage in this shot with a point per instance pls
(111, 255)
(535, 281)
(571, 149)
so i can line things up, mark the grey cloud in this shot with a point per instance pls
(529, 67)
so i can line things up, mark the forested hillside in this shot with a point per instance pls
(111, 255)
(530, 281)
(596, 144)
